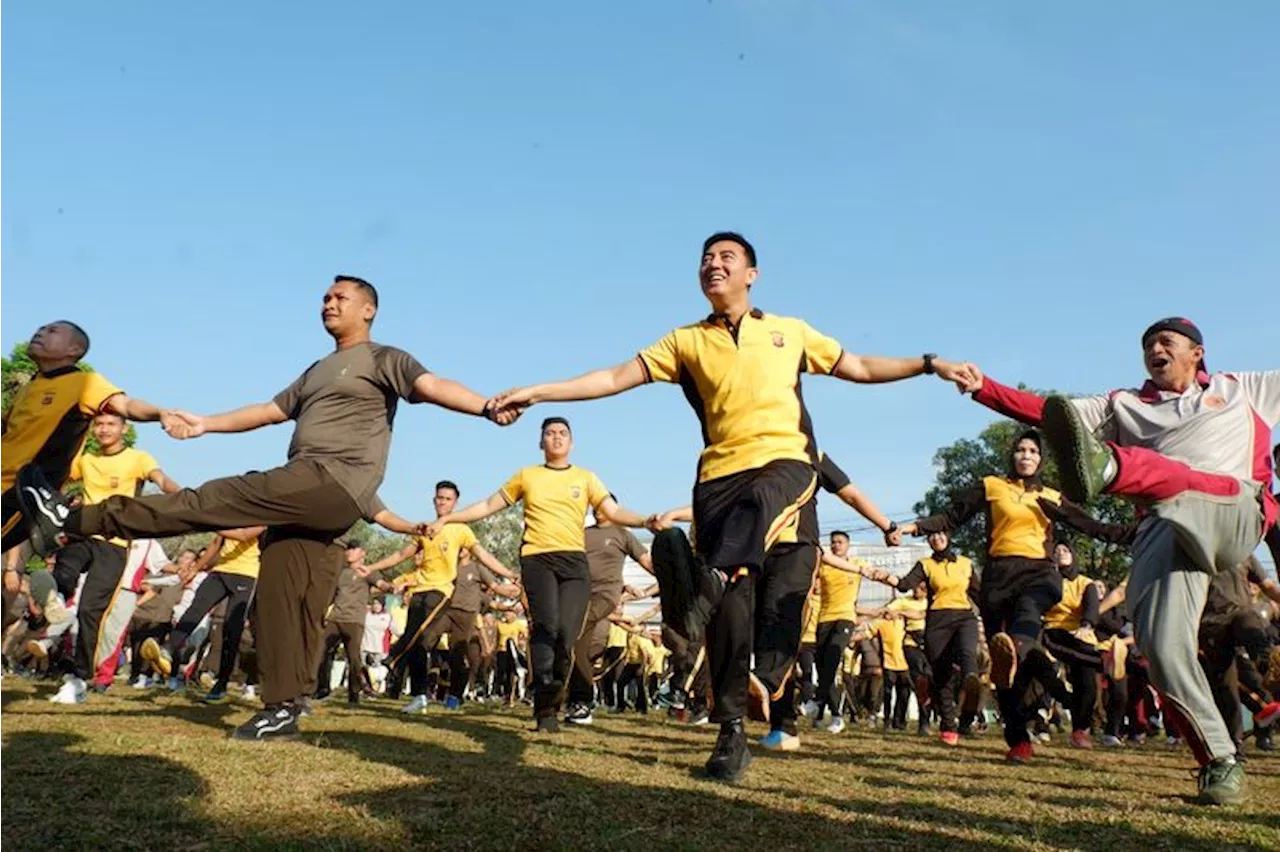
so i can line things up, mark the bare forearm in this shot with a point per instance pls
(245, 419)
(873, 369)
(389, 520)
(593, 385)
(624, 517)
(449, 394)
(140, 410)
(864, 506)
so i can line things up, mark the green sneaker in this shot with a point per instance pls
(1085, 464)
(1221, 782)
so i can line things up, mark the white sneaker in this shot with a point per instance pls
(836, 726)
(417, 705)
(39, 648)
(141, 682)
(250, 691)
(72, 691)
(811, 709)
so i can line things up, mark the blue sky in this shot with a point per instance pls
(1019, 184)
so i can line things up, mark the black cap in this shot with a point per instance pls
(1181, 325)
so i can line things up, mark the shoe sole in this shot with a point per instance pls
(1065, 432)
(1266, 720)
(32, 510)
(758, 700)
(289, 737)
(37, 650)
(1221, 800)
(1004, 661)
(150, 651)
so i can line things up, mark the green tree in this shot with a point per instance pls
(962, 465)
(501, 535)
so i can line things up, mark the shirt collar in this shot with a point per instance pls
(1151, 393)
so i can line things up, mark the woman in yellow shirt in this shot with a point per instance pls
(1020, 583)
(553, 556)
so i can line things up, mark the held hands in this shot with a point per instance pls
(507, 590)
(967, 377)
(432, 529)
(893, 538)
(181, 425)
(506, 408)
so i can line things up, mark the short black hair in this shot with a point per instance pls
(452, 486)
(835, 533)
(733, 237)
(81, 335)
(364, 286)
(552, 421)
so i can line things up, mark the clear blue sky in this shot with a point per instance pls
(528, 184)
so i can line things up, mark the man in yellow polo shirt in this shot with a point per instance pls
(740, 369)
(430, 589)
(49, 417)
(102, 611)
(553, 556)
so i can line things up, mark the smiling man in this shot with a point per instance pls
(344, 406)
(1191, 447)
(740, 369)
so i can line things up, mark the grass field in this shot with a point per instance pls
(150, 771)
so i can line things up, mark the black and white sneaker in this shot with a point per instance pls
(45, 509)
(273, 723)
(579, 714)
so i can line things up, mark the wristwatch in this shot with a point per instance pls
(928, 362)
(893, 528)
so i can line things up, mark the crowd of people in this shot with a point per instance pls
(757, 618)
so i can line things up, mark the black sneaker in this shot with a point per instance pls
(548, 725)
(1263, 740)
(45, 509)
(273, 723)
(579, 714)
(731, 757)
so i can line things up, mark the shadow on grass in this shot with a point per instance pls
(552, 808)
(59, 799)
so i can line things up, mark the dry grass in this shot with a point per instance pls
(148, 771)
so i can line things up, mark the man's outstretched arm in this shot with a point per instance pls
(132, 408)
(593, 385)
(183, 424)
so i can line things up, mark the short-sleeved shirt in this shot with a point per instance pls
(440, 559)
(839, 590)
(744, 385)
(48, 420)
(239, 557)
(350, 598)
(555, 506)
(914, 609)
(607, 552)
(119, 474)
(468, 588)
(344, 406)
(511, 630)
(892, 634)
(159, 608)
(146, 559)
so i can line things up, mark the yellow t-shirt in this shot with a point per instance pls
(1019, 527)
(891, 632)
(744, 385)
(1067, 613)
(439, 567)
(511, 630)
(555, 506)
(639, 649)
(851, 662)
(839, 594)
(915, 612)
(948, 582)
(239, 557)
(657, 661)
(48, 420)
(120, 474)
(617, 637)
